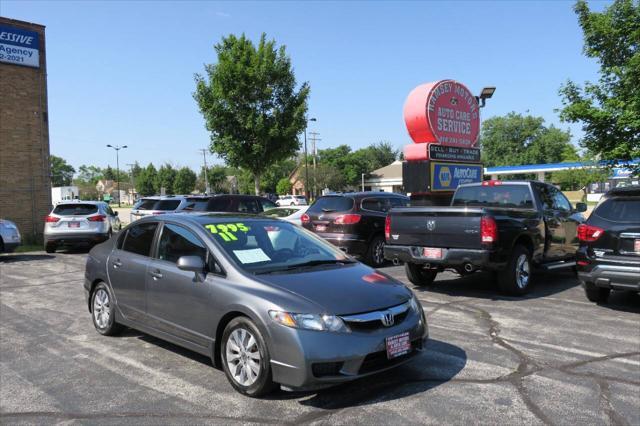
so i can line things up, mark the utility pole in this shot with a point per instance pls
(314, 138)
(117, 149)
(131, 175)
(206, 178)
(306, 165)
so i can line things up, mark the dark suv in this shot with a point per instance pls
(229, 203)
(609, 253)
(354, 222)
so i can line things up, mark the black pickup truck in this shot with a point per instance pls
(503, 226)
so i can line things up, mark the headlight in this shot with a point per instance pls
(415, 305)
(310, 321)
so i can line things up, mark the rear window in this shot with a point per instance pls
(619, 210)
(300, 197)
(75, 209)
(332, 204)
(146, 204)
(166, 205)
(506, 196)
(219, 204)
(197, 204)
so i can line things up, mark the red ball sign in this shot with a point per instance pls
(443, 112)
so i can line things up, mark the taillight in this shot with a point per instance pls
(588, 233)
(347, 219)
(156, 213)
(305, 218)
(97, 218)
(488, 229)
(51, 219)
(491, 183)
(387, 228)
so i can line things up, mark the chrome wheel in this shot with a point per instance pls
(101, 308)
(522, 271)
(243, 357)
(378, 253)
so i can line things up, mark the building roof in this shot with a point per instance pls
(392, 171)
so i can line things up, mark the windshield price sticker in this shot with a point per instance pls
(227, 231)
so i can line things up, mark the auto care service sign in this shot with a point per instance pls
(448, 176)
(443, 112)
(19, 47)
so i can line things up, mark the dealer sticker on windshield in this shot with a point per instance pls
(227, 231)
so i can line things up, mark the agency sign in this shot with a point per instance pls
(444, 112)
(19, 47)
(447, 176)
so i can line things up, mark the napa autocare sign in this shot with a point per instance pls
(19, 47)
(447, 176)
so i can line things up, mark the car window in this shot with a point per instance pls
(267, 204)
(139, 238)
(398, 202)
(75, 209)
(560, 202)
(146, 204)
(166, 205)
(280, 212)
(219, 204)
(177, 241)
(248, 205)
(332, 204)
(197, 204)
(374, 204)
(545, 197)
(504, 195)
(110, 211)
(619, 210)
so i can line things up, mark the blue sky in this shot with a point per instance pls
(122, 72)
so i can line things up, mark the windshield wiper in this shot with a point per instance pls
(328, 210)
(308, 264)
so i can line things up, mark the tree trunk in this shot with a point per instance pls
(256, 182)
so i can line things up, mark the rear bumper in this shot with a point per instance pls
(616, 277)
(75, 238)
(480, 259)
(9, 247)
(349, 243)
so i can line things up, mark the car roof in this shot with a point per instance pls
(366, 194)
(199, 218)
(72, 202)
(624, 191)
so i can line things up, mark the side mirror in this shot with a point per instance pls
(191, 263)
(581, 207)
(115, 213)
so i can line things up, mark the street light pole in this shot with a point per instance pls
(306, 161)
(117, 148)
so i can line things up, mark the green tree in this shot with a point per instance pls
(515, 139)
(284, 186)
(185, 181)
(89, 174)
(135, 171)
(165, 179)
(609, 109)
(146, 181)
(61, 171)
(274, 173)
(109, 173)
(250, 104)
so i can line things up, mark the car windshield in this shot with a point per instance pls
(273, 246)
(508, 196)
(75, 209)
(279, 212)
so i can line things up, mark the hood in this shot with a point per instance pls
(349, 289)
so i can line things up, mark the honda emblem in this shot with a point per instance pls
(387, 319)
(431, 225)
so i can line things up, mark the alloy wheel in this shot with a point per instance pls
(101, 308)
(522, 271)
(378, 253)
(243, 357)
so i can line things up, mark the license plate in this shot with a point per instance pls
(74, 224)
(432, 253)
(321, 228)
(398, 345)
(636, 246)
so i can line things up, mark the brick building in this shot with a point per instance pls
(25, 183)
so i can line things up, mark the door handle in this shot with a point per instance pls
(155, 274)
(117, 264)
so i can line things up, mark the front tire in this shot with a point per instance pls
(375, 252)
(515, 279)
(50, 248)
(596, 294)
(103, 311)
(245, 358)
(420, 276)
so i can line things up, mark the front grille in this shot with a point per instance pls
(378, 360)
(324, 369)
(371, 321)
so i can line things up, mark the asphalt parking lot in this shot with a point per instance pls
(552, 357)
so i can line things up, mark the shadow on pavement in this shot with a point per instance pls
(438, 364)
(24, 257)
(625, 301)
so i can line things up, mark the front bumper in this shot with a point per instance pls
(75, 238)
(480, 259)
(9, 247)
(305, 359)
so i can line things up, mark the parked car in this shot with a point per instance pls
(291, 214)
(268, 301)
(72, 223)
(503, 226)
(292, 200)
(354, 222)
(234, 203)
(157, 205)
(9, 236)
(609, 253)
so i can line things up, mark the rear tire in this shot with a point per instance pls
(50, 248)
(375, 252)
(595, 293)
(420, 276)
(515, 279)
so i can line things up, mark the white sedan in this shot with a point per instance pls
(290, 214)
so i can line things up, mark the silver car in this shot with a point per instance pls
(79, 223)
(157, 205)
(269, 302)
(292, 200)
(9, 236)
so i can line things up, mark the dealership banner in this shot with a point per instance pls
(447, 176)
(19, 47)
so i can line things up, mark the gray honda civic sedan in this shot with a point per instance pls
(268, 301)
